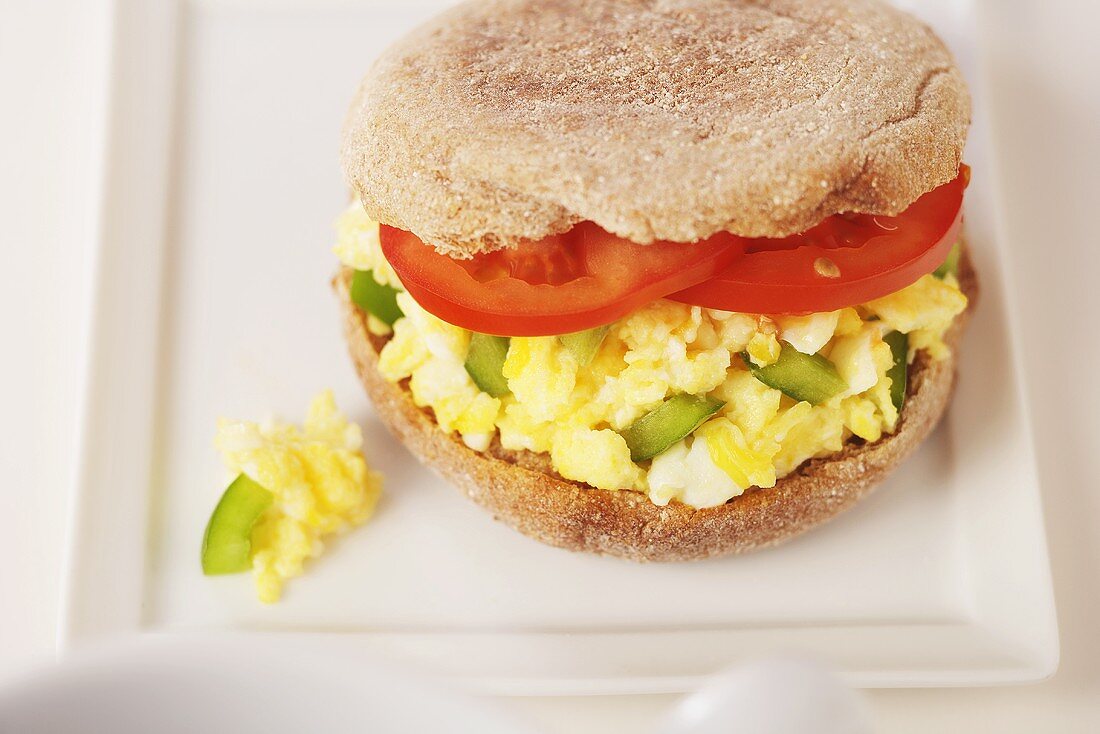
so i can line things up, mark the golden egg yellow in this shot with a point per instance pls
(318, 477)
(574, 413)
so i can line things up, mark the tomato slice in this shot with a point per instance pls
(578, 280)
(846, 260)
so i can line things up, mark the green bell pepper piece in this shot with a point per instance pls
(672, 420)
(227, 542)
(376, 299)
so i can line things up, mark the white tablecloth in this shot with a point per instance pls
(1047, 123)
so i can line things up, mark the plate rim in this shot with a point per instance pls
(137, 62)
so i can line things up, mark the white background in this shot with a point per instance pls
(1046, 110)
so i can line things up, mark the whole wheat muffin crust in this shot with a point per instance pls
(504, 120)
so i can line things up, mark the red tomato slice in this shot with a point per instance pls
(583, 278)
(846, 260)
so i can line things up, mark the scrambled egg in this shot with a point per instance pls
(431, 352)
(357, 246)
(320, 482)
(574, 414)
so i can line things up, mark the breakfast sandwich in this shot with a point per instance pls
(660, 279)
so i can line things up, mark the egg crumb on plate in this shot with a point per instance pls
(319, 482)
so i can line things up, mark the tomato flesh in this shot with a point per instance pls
(587, 277)
(577, 280)
(846, 260)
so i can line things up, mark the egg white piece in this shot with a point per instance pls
(691, 476)
(809, 333)
(855, 360)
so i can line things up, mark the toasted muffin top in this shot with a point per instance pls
(506, 120)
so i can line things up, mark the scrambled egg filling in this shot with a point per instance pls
(574, 414)
(320, 482)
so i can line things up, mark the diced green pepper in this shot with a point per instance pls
(808, 377)
(666, 424)
(227, 542)
(584, 344)
(376, 299)
(951, 264)
(899, 373)
(485, 363)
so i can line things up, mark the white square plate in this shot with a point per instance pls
(221, 183)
